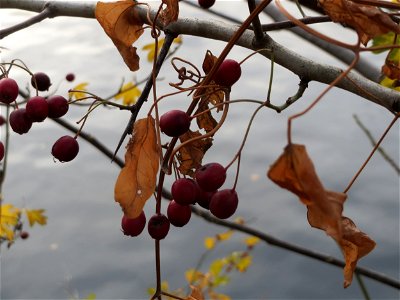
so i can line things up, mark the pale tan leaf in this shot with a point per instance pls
(171, 12)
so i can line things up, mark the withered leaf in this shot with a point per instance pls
(295, 172)
(137, 180)
(171, 12)
(368, 21)
(191, 155)
(208, 62)
(391, 69)
(196, 294)
(205, 120)
(121, 23)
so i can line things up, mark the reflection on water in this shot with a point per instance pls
(82, 247)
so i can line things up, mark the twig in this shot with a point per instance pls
(258, 31)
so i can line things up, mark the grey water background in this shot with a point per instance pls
(82, 250)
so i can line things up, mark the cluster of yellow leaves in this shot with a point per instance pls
(129, 93)
(295, 172)
(10, 217)
(137, 180)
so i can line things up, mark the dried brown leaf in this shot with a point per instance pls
(391, 69)
(196, 294)
(208, 62)
(368, 21)
(191, 155)
(137, 180)
(171, 12)
(205, 120)
(121, 23)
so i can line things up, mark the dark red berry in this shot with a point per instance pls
(133, 227)
(2, 120)
(203, 198)
(210, 177)
(228, 72)
(41, 81)
(158, 226)
(20, 121)
(184, 191)
(37, 109)
(174, 123)
(24, 235)
(65, 149)
(206, 3)
(178, 215)
(1, 150)
(8, 90)
(70, 77)
(58, 106)
(224, 203)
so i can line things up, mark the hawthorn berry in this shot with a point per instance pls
(24, 235)
(2, 120)
(210, 177)
(224, 203)
(65, 149)
(20, 121)
(174, 123)
(70, 77)
(178, 215)
(41, 81)
(203, 198)
(58, 106)
(158, 226)
(184, 191)
(8, 90)
(206, 3)
(1, 150)
(228, 73)
(37, 109)
(133, 227)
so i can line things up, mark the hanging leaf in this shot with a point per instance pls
(122, 24)
(295, 172)
(171, 12)
(205, 120)
(8, 220)
(191, 155)
(129, 93)
(137, 180)
(367, 20)
(36, 216)
(80, 91)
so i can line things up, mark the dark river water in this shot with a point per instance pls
(82, 250)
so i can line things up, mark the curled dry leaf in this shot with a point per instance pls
(171, 12)
(368, 21)
(196, 294)
(295, 172)
(191, 155)
(137, 180)
(121, 23)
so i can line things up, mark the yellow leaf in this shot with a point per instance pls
(129, 93)
(251, 241)
(243, 263)
(9, 217)
(36, 216)
(217, 296)
(152, 49)
(91, 296)
(209, 242)
(216, 266)
(80, 91)
(224, 236)
(136, 182)
(192, 276)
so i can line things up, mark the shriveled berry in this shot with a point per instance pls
(224, 203)
(228, 72)
(210, 177)
(20, 121)
(1, 150)
(58, 106)
(203, 198)
(178, 215)
(133, 227)
(65, 149)
(8, 90)
(37, 109)
(41, 81)
(70, 77)
(158, 226)
(184, 191)
(206, 3)
(174, 123)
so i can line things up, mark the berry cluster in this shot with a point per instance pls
(36, 110)
(208, 179)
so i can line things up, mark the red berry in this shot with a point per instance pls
(133, 227)
(70, 77)
(184, 191)
(174, 123)
(37, 109)
(1, 150)
(224, 203)
(2, 120)
(228, 72)
(178, 215)
(40, 81)
(20, 121)
(8, 90)
(210, 177)
(206, 3)
(158, 226)
(24, 235)
(203, 198)
(58, 106)
(65, 149)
